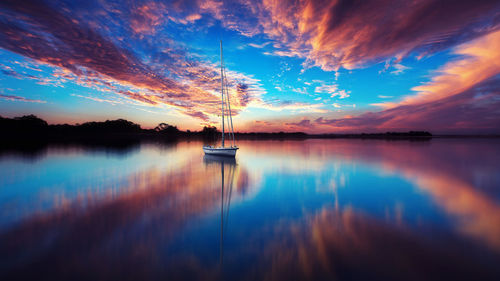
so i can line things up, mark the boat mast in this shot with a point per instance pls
(222, 92)
(230, 121)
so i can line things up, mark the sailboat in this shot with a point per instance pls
(223, 150)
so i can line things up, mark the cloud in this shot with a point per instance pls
(302, 91)
(479, 61)
(351, 34)
(259, 46)
(139, 97)
(279, 53)
(304, 123)
(394, 63)
(463, 96)
(56, 39)
(98, 99)
(289, 106)
(18, 98)
(332, 89)
(146, 67)
(475, 110)
(146, 18)
(231, 14)
(81, 45)
(342, 94)
(399, 68)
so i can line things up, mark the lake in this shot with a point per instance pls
(342, 209)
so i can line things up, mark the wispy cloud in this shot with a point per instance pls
(57, 36)
(399, 68)
(342, 94)
(330, 89)
(475, 110)
(464, 95)
(478, 62)
(351, 33)
(302, 91)
(385, 97)
(297, 107)
(19, 98)
(304, 123)
(98, 99)
(97, 47)
(259, 46)
(333, 90)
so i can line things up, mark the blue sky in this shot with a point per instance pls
(339, 66)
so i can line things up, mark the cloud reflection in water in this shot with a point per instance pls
(317, 209)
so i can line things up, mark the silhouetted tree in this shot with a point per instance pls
(31, 120)
(110, 126)
(25, 125)
(166, 129)
(209, 132)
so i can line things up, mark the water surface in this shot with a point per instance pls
(282, 210)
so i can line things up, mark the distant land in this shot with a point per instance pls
(30, 128)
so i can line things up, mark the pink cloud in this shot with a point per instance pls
(350, 34)
(19, 98)
(79, 52)
(304, 123)
(463, 96)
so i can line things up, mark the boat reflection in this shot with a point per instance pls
(219, 160)
(226, 193)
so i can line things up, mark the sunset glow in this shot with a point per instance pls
(306, 65)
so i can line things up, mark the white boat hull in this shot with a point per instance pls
(220, 151)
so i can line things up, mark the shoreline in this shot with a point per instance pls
(31, 130)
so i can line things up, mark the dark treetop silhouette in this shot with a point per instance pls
(30, 128)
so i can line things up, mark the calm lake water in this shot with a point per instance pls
(283, 210)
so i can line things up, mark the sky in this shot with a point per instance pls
(307, 65)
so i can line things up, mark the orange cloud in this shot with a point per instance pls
(76, 51)
(349, 34)
(463, 95)
(481, 61)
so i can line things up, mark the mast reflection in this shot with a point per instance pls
(226, 192)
